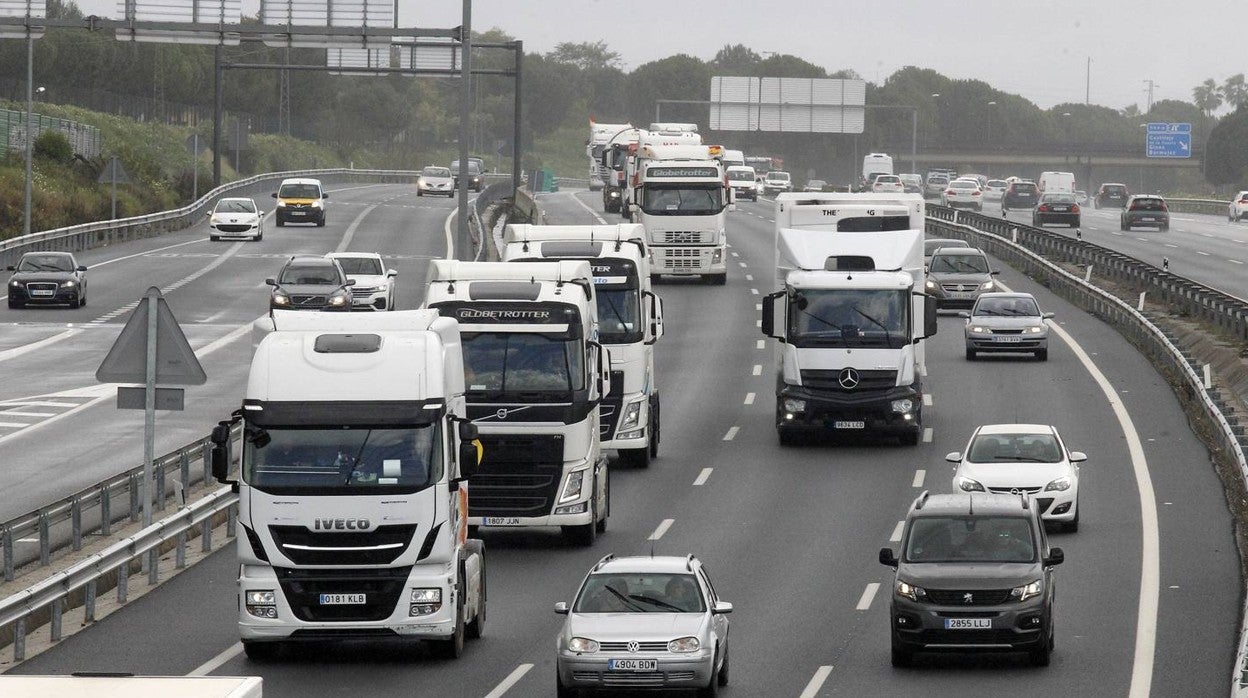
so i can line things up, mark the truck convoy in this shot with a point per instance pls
(599, 136)
(535, 376)
(630, 318)
(614, 148)
(352, 497)
(851, 316)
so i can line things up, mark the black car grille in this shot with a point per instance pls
(380, 546)
(381, 588)
(301, 300)
(959, 288)
(819, 379)
(33, 287)
(233, 227)
(518, 475)
(648, 679)
(979, 597)
(609, 410)
(1014, 490)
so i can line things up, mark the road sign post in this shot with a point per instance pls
(1168, 140)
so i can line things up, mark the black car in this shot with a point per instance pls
(310, 283)
(1147, 211)
(1114, 195)
(1020, 195)
(48, 278)
(476, 180)
(975, 574)
(1056, 207)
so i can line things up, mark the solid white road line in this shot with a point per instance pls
(919, 476)
(749, 399)
(1234, 261)
(41, 403)
(868, 595)
(758, 369)
(703, 477)
(212, 664)
(450, 237)
(14, 425)
(345, 242)
(732, 433)
(519, 672)
(28, 414)
(592, 212)
(663, 526)
(896, 537)
(35, 346)
(816, 682)
(1202, 254)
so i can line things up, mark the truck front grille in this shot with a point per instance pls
(518, 476)
(381, 588)
(819, 379)
(381, 546)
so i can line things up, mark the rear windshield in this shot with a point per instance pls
(741, 175)
(365, 266)
(1147, 205)
(891, 179)
(1114, 189)
(938, 180)
(963, 185)
(1025, 188)
(997, 183)
(1058, 198)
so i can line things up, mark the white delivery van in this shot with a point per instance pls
(1056, 181)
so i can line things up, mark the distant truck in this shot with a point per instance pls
(851, 316)
(1052, 182)
(732, 158)
(599, 136)
(876, 164)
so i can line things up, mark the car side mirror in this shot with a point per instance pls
(270, 282)
(965, 314)
(11, 268)
(1047, 316)
(561, 608)
(994, 273)
(469, 458)
(391, 273)
(887, 557)
(274, 195)
(1055, 558)
(721, 607)
(260, 214)
(81, 267)
(1078, 456)
(325, 195)
(350, 282)
(954, 457)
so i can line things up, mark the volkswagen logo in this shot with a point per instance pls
(1013, 490)
(634, 646)
(501, 413)
(968, 598)
(849, 379)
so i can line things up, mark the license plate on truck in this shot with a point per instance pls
(968, 624)
(501, 521)
(849, 425)
(343, 599)
(632, 665)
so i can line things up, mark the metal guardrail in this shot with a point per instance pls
(1152, 341)
(1185, 296)
(1212, 206)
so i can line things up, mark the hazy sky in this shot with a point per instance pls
(1036, 48)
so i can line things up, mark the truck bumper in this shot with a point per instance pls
(896, 410)
(689, 261)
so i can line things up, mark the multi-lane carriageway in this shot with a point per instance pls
(1148, 600)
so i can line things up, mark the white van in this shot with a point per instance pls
(300, 200)
(1056, 181)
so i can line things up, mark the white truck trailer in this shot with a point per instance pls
(535, 376)
(101, 685)
(630, 320)
(851, 317)
(352, 497)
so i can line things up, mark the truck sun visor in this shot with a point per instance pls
(581, 249)
(347, 344)
(503, 291)
(378, 413)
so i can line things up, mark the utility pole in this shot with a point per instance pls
(30, 130)
(1151, 85)
(1087, 93)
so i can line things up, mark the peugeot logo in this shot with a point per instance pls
(849, 379)
(968, 598)
(501, 413)
(634, 646)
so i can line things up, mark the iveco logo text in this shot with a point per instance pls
(342, 524)
(849, 379)
(471, 313)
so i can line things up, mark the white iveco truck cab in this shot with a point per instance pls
(630, 320)
(353, 501)
(535, 375)
(851, 318)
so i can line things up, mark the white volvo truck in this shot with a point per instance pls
(535, 376)
(599, 136)
(630, 320)
(352, 497)
(851, 317)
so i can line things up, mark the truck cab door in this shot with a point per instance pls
(654, 317)
(775, 305)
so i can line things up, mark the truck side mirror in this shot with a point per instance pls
(929, 316)
(770, 304)
(468, 431)
(220, 459)
(470, 454)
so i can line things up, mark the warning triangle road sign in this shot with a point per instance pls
(176, 363)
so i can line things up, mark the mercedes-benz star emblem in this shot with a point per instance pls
(968, 598)
(634, 646)
(849, 379)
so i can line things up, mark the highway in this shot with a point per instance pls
(790, 536)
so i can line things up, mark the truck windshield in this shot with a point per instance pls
(618, 311)
(849, 318)
(512, 362)
(326, 460)
(682, 200)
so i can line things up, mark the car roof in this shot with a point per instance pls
(1146, 196)
(301, 180)
(352, 255)
(1113, 184)
(1016, 429)
(666, 564)
(50, 253)
(959, 250)
(1007, 294)
(967, 504)
(310, 259)
(236, 198)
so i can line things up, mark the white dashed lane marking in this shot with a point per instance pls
(658, 532)
(896, 537)
(919, 476)
(732, 433)
(703, 477)
(868, 595)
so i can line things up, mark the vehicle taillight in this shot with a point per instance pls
(1243, 201)
(1164, 207)
(976, 193)
(950, 191)
(1074, 209)
(1043, 207)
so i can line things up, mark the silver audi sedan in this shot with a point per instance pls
(644, 623)
(1007, 322)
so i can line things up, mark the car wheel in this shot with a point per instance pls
(321, 222)
(1124, 226)
(561, 690)
(419, 193)
(1041, 655)
(80, 301)
(476, 628)
(711, 690)
(970, 354)
(259, 237)
(1164, 228)
(722, 676)
(15, 305)
(901, 655)
(262, 651)
(1042, 355)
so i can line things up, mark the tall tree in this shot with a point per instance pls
(1227, 152)
(585, 55)
(1235, 91)
(736, 59)
(1208, 96)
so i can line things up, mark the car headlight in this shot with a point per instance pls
(339, 299)
(582, 645)
(421, 183)
(69, 284)
(213, 221)
(794, 405)
(986, 286)
(1027, 591)
(1061, 484)
(683, 645)
(281, 204)
(978, 329)
(910, 591)
(1036, 330)
(14, 283)
(966, 484)
(632, 414)
(615, 194)
(903, 405)
(261, 597)
(316, 203)
(572, 488)
(931, 285)
(281, 299)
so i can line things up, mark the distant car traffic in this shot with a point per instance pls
(1238, 208)
(814, 185)
(1145, 210)
(308, 282)
(1006, 322)
(644, 622)
(374, 285)
(1021, 194)
(47, 278)
(435, 180)
(476, 178)
(741, 178)
(930, 245)
(776, 182)
(1029, 459)
(887, 184)
(300, 200)
(1056, 207)
(1111, 195)
(1081, 197)
(995, 189)
(912, 183)
(963, 193)
(957, 276)
(236, 218)
(935, 185)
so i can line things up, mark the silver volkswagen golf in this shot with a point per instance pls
(1010, 322)
(644, 623)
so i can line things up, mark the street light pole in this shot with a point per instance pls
(30, 117)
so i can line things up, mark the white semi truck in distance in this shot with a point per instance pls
(851, 317)
(614, 149)
(630, 321)
(535, 375)
(353, 503)
(599, 136)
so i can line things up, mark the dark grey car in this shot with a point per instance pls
(1007, 322)
(1145, 211)
(957, 276)
(310, 283)
(50, 278)
(975, 574)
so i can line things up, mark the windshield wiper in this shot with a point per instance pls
(627, 600)
(1022, 459)
(888, 337)
(657, 602)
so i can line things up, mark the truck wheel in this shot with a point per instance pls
(601, 526)
(636, 457)
(476, 628)
(262, 651)
(655, 434)
(716, 280)
(584, 536)
(453, 648)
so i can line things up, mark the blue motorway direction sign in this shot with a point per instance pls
(1168, 140)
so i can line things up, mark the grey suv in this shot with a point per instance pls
(957, 276)
(310, 283)
(975, 574)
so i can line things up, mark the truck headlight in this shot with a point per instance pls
(794, 405)
(632, 414)
(683, 645)
(1027, 591)
(718, 255)
(903, 405)
(1061, 484)
(424, 602)
(910, 591)
(261, 603)
(966, 484)
(582, 645)
(572, 488)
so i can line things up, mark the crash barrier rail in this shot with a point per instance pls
(1211, 206)
(85, 236)
(525, 207)
(1182, 295)
(81, 584)
(490, 196)
(1027, 254)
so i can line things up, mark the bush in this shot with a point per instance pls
(53, 146)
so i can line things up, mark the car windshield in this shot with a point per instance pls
(363, 266)
(780, 176)
(970, 539)
(329, 460)
(685, 199)
(509, 362)
(435, 172)
(46, 262)
(959, 263)
(1006, 307)
(235, 206)
(299, 191)
(741, 175)
(640, 593)
(309, 274)
(1014, 448)
(849, 318)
